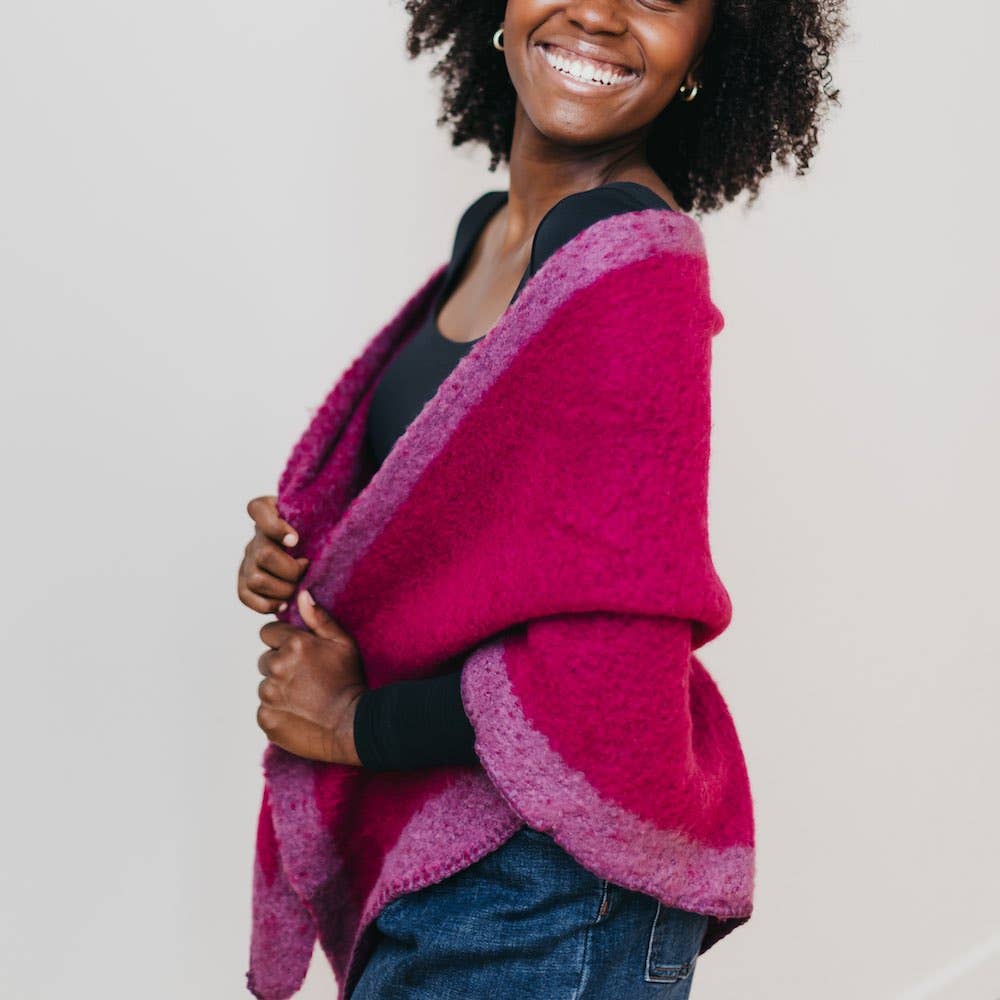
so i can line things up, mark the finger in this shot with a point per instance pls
(276, 634)
(273, 721)
(272, 693)
(278, 724)
(263, 583)
(319, 619)
(273, 559)
(294, 734)
(266, 664)
(264, 511)
(254, 602)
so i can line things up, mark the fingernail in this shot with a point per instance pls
(290, 539)
(283, 606)
(308, 596)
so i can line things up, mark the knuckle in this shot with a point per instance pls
(248, 597)
(265, 718)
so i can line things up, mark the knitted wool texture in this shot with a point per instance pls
(542, 523)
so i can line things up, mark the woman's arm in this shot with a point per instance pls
(413, 724)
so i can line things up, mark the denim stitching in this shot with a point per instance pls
(584, 967)
(656, 973)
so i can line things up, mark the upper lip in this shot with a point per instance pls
(590, 51)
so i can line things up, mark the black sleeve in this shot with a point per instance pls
(407, 725)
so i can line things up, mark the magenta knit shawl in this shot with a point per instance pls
(542, 523)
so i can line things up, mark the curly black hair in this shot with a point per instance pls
(764, 86)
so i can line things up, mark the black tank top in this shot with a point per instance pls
(407, 725)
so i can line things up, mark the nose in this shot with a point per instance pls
(595, 16)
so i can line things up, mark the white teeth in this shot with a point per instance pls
(581, 69)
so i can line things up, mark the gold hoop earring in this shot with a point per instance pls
(688, 95)
(497, 35)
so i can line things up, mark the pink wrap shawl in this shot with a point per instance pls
(541, 524)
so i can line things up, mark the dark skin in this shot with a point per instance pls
(312, 678)
(569, 136)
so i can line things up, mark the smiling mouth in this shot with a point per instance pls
(587, 71)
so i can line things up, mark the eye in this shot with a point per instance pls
(661, 5)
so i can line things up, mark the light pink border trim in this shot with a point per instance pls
(605, 245)
(609, 840)
(307, 854)
(440, 829)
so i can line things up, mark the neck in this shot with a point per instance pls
(543, 172)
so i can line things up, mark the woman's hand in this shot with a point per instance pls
(312, 682)
(268, 575)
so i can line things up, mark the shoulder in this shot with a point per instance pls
(574, 213)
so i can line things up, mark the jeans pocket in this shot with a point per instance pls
(674, 943)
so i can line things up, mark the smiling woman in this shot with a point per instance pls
(583, 67)
(752, 80)
(494, 755)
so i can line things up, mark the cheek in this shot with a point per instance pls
(668, 47)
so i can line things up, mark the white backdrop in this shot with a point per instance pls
(206, 209)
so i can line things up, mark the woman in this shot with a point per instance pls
(600, 107)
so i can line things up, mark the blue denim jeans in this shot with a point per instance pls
(528, 921)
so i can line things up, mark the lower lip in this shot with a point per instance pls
(584, 86)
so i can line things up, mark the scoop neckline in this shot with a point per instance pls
(460, 263)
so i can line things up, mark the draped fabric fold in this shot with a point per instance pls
(542, 525)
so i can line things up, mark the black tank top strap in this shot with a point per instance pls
(474, 218)
(470, 225)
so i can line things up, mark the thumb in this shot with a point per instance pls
(317, 618)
